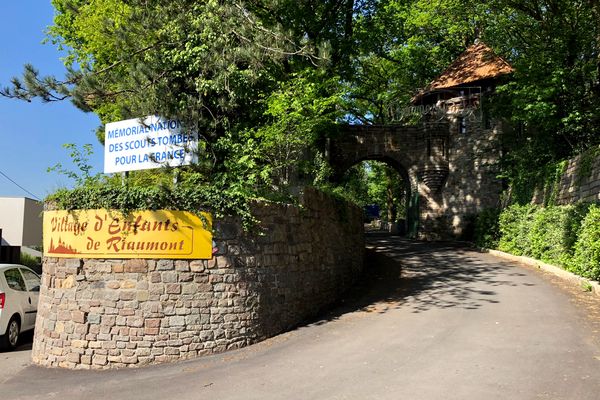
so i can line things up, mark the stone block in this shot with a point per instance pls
(188, 288)
(129, 352)
(68, 282)
(78, 316)
(151, 331)
(66, 364)
(145, 352)
(126, 312)
(183, 311)
(152, 322)
(136, 265)
(123, 340)
(193, 319)
(57, 351)
(109, 345)
(127, 295)
(104, 337)
(169, 277)
(128, 284)
(110, 295)
(177, 320)
(73, 263)
(164, 265)
(168, 308)
(173, 288)
(156, 289)
(94, 345)
(182, 266)
(118, 268)
(113, 285)
(175, 343)
(99, 360)
(108, 320)
(64, 315)
(204, 288)
(81, 344)
(49, 325)
(135, 322)
(142, 295)
(213, 263)
(197, 266)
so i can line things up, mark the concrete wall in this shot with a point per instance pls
(117, 313)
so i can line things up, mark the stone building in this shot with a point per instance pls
(450, 159)
(470, 154)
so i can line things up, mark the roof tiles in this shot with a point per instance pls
(477, 63)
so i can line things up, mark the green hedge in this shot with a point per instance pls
(568, 236)
(487, 229)
(586, 260)
(514, 224)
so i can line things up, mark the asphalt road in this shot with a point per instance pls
(12, 362)
(426, 322)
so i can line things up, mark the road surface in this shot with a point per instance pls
(427, 321)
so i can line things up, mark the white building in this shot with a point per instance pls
(20, 225)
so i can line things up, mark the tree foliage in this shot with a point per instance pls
(555, 49)
(376, 183)
(264, 81)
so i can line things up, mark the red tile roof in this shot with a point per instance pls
(476, 63)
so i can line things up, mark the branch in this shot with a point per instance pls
(48, 87)
(301, 50)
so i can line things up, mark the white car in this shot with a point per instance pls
(19, 294)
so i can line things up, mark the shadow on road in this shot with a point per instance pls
(25, 343)
(422, 276)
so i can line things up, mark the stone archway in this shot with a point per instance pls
(451, 175)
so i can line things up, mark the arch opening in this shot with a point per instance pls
(382, 186)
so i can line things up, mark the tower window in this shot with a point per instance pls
(462, 125)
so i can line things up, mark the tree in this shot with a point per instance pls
(403, 46)
(554, 48)
(264, 80)
(223, 68)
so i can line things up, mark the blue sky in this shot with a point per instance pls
(32, 134)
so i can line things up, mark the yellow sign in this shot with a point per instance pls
(142, 234)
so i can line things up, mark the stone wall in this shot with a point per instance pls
(580, 183)
(116, 313)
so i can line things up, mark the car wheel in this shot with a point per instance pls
(11, 338)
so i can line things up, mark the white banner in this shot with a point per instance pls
(153, 142)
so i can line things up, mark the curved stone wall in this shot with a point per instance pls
(116, 313)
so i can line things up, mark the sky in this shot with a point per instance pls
(32, 134)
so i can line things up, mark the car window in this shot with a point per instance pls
(14, 279)
(31, 280)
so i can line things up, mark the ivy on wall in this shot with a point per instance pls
(586, 164)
